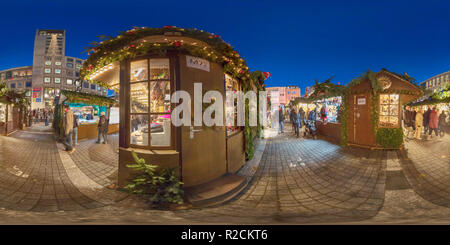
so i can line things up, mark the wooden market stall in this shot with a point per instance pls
(147, 65)
(373, 104)
(328, 96)
(12, 110)
(87, 107)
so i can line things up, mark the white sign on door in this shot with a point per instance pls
(361, 101)
(197, 63)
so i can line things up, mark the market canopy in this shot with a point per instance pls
(91, 99)
(9, 96)
(442, 96)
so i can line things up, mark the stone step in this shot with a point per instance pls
(216, 191)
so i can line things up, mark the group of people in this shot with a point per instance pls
(419, 121)
(38, 115)
(71, 123)
(298, 118)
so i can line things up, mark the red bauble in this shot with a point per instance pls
(178, 44)
(168, 27)
(131, 45)
(90, 67)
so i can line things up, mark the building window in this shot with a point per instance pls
(48, 70)
(47, 79)
(78, 62)
(99, 88)
(58, 71)
(28, 93)
(69, 60)
(19, 85)
(69, 81)
(48, 62)
(77, 74)
(86, 85)
(389, 107)
(69, 73)
(70, 65)
(58, 63)
(150, 107)
(93, 86)
(12, 85)
(28, 84)
(57, 80)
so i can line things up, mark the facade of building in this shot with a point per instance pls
(51, 72)
(438, 82)
(284, 94)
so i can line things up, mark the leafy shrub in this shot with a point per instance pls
(159, 188)
(390, 137)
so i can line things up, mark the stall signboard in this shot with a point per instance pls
(197, 63)
(37, 94)
(361, 101)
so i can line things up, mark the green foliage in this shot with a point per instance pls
(10, 96)
(159, 188)
(77, 97)
(389, 137)
(126, 45)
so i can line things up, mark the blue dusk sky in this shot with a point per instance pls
(297, 41)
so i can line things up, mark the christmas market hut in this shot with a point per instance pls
(12, 110)
(88, 108)
(372, 113)
(327, 98)
(147, 65)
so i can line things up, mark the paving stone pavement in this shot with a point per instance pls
(296, 181)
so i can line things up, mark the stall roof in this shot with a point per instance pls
(76, 97)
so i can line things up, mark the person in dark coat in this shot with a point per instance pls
(102, 128)
(441, 122)
(281, 119)
(433, 121)
(294, 121)
(426, 119)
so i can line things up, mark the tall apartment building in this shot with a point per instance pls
(51, 72)
(438, 82)
(285, 94)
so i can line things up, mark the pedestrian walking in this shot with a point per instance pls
(102, 128)
(68, 130)
(426, 119)
(441, 122)
(418, 122)
(76, 121)
(294, 121)
(433, 122)
(281, 119)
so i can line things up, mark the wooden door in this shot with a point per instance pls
(361, 120)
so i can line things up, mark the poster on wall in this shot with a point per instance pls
(37, 95)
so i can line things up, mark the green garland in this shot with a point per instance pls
(77, 97)
(124, 46)
(10, 96)
(344, 120)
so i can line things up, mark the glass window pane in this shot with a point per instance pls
(160, 96)
(159, 69)
(139, 130)
(139, 71)
(139, 97)
(160, 130)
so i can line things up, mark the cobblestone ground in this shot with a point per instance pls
(296, 181)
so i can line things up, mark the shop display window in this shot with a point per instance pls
(2, 113)
(150, 105)
(389, 110)
(139, 71)
(139, 97)
(159, 69)
(231, 106)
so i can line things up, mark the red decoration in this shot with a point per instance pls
(267, 75)
(131, 32)
(178, 43)
(90, 67)
(216, 36)
(95, 49)
(131, 45)
(241, 71)
(168, 27)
